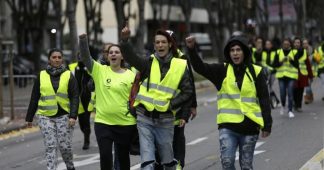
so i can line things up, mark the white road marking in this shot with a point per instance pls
(316, 162)
(197, 141)
(92, 158)
(137, 166)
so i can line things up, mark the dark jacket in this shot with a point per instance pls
(73, 94)
(216, 73)
(83, 78)
(187, 111)
(183, 99)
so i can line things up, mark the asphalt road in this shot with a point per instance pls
(293, 144)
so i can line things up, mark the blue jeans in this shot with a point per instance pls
(229, 141)
(287, 84)
(159, 133)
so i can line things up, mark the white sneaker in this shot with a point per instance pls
(291, 114)
(282, 110)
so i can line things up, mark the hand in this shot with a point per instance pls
(193, 113)
(71, 121)
(125, 32)
(182, 122)
(265, 134)
(190, 42)
(29, 124)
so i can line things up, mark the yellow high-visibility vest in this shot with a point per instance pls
(72, 68)
(302, 63)
(287, 70)
(49, 100)
(161, 91)
(233, 104)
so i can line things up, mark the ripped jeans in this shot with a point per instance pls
(229, 141)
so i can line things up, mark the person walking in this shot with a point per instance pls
(113, 124)
(304, 74)
(166, 87)
(319, 58)
(243, 100)
(179, 139)
(286, 64)
(55, 100)
(82, 76)
(271, 53)
(309, 96)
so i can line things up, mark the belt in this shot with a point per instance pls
(156, 114)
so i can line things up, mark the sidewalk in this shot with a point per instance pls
(7, 125)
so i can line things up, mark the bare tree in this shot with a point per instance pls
(299, 8)
(282, 28)
(71, 5)
(93, 19)
(263, 17)
(139, 38)
(120, 14)
(186, 10)
(29, 17)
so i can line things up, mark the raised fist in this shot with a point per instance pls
(190, 42)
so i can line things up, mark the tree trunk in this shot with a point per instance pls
(71, 5)
(282, 27)
(141, 27)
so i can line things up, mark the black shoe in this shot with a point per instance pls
(85, 146)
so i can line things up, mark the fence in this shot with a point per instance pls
(16, 97)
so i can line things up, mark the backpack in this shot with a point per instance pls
(133, 93)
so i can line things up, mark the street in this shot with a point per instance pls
(291, 146)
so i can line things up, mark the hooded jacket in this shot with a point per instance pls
(216, 73)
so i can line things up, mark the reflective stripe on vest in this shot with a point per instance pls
(161, 91)
(287, 70)
(234, 103)
(302, 64)
(49, 100)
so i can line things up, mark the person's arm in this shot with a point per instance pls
(186, 90)
(140, 63)
(73, 94)
(213, 72)
(33, 104)
(85, 52)
(264, 101)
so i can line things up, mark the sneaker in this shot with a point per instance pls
(282, 110)
(291, 114)
(298, 109)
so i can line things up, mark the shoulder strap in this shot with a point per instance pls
(252, 71)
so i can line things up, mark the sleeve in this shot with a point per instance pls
(186, 90)
(85, 52)
(264, 100)
(194, 96)
(73, 93)
(33, 104)
(140, 63)
(213, 72)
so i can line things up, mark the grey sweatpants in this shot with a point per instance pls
(57, 134)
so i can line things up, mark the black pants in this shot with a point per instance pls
(106, 135)
(84, 121)
(298, 97)
(179, 147)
